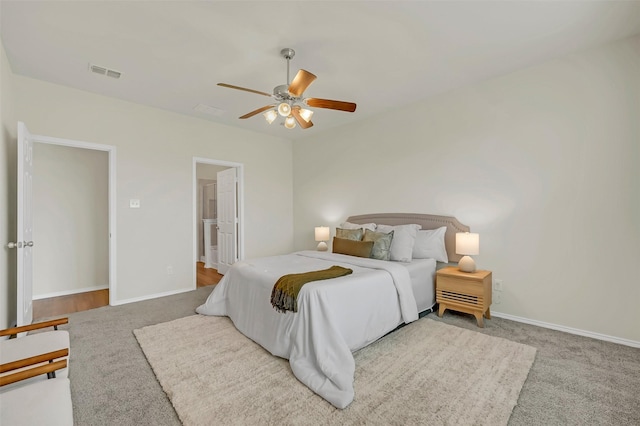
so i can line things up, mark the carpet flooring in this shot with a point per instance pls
(574, 380)
(425, 372)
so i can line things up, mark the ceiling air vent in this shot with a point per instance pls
(113, 73)
(104, 71)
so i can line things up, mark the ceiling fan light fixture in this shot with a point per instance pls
(284, 109)
(270, 115)
(290, 122)
(306, 114)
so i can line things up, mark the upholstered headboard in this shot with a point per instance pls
(427, 221)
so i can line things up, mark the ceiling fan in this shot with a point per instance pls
(289, 98)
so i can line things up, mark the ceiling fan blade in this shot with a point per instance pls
(327, 103)
(258, 111)
(301, 121)
(300, 82)
(230, 86)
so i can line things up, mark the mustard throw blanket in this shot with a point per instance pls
(284, 296)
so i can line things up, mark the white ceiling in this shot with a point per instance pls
(379, 54)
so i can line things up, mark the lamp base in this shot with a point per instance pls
(467, 264)
(322, 246)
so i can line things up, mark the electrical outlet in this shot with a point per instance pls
(134, 203)
(498, 285)
(497, 298)
(169, 270)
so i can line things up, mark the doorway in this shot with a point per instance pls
(208, 259)
(74, 214)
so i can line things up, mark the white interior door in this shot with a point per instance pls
(227, 219)
(24, 243)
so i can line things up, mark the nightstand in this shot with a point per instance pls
(468, 292)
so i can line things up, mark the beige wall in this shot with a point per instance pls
(70, 220)
(8, 154)
(154, 160)
(543, 163)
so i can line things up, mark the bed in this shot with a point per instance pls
(335, 317)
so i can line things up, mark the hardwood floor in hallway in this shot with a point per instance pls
(64, 305)
(207, 276)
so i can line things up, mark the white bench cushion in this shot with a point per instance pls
(46, 402)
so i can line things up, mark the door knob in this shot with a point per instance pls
(14, 245)
(28, 243)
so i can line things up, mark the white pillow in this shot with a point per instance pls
(404, 237)
(349, 225)
(430, 245)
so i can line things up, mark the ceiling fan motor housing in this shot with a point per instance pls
(282, 92)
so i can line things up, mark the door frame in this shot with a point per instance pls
(111, 150)
(240, 176)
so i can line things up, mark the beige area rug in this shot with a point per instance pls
(425, 372)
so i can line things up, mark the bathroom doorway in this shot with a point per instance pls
(207, 230)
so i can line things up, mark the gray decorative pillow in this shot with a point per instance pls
(381, 244)
(349, 234)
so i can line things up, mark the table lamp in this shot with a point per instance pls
(467, 244)
(322, 235)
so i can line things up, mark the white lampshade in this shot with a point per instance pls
(284, 109)
(322, 234)
(306, 114)
(290, 122)
(270, 115)
(468, 244)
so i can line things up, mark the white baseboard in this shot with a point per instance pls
(571, 330)
(152, 296)
(68, 292)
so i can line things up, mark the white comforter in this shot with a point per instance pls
(334, 318)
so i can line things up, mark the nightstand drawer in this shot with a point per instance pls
(460, 299)
(457, 285)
